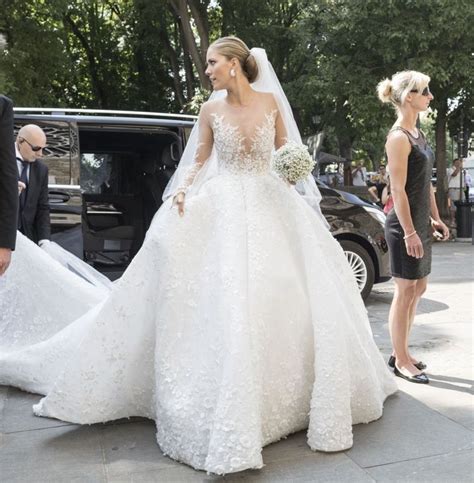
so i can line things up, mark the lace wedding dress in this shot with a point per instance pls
(234, 326)
(43, 291)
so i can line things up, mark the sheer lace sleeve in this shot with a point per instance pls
(203, 149)
(281, 136)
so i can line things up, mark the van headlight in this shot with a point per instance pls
(375, 213)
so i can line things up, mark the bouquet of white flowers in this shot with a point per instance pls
(293, 162)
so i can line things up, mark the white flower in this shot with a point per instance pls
(293, 162)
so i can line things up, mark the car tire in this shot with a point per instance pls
(361, 264)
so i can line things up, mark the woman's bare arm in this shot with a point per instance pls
(398, 148)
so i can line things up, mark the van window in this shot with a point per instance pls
(96, 171)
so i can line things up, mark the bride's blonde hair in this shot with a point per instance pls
(396, 89)
(233, 47)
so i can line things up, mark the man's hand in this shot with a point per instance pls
(21, 187)
(5, 257)
(455, 172)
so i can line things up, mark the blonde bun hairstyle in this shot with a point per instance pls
(384, 90)
(396, 89)
(233, 47)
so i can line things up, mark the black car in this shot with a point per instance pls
(107, 173)
(359, 228)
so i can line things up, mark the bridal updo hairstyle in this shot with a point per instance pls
(232, 47)
(396, 89)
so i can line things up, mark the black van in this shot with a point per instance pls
(107, 173)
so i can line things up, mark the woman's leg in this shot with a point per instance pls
(374, 194)
(399, 323)
(420, 289)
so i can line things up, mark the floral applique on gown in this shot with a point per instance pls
(233, 326)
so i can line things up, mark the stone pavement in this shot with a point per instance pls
(426, 433)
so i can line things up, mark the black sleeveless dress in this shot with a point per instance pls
(417, 187)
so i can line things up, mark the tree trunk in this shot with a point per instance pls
(180, 9)
(99, 89)
(173, 58)
(199, 13)
(440, 159)
(345, 150)
(188, 66)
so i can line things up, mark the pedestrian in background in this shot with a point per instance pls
(387, 199)
(456, 186)
(359, 175)
(407, 230)
(378, 183)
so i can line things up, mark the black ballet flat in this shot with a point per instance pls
(419, 378)
(419, 365)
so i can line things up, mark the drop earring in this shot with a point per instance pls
(232, 72)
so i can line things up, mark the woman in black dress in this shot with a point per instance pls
(413, 220)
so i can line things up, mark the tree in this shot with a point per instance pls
(352, 45)
(448, 52)
(186, 11)
(328, 54)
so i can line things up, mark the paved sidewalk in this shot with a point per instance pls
(426, 433)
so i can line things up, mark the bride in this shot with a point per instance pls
(239, 320)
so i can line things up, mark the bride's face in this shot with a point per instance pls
(218, 69)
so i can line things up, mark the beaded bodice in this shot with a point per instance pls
(239, 154)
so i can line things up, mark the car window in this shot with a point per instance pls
(112, 173)
(96, 171)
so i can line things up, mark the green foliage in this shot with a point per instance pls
(329, 54)
(86, 53)
(353, 45)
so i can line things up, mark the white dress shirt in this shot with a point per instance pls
(20, 165)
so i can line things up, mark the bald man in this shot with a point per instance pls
(33, 215)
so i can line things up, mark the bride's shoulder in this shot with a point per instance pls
(207, 110)
(212, 105)
(268, 103)
(268, 98)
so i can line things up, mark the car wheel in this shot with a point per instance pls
(361, 264)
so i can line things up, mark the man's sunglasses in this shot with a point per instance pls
(425, 92)
(33, 148)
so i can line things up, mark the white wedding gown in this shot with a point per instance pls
(234, 326)
(43, 291)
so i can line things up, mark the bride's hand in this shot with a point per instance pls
(178, 200)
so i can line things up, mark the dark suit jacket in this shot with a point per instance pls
(35, 222)
(8, 176)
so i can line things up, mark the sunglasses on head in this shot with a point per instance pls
(425, 92)
(33, 148)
